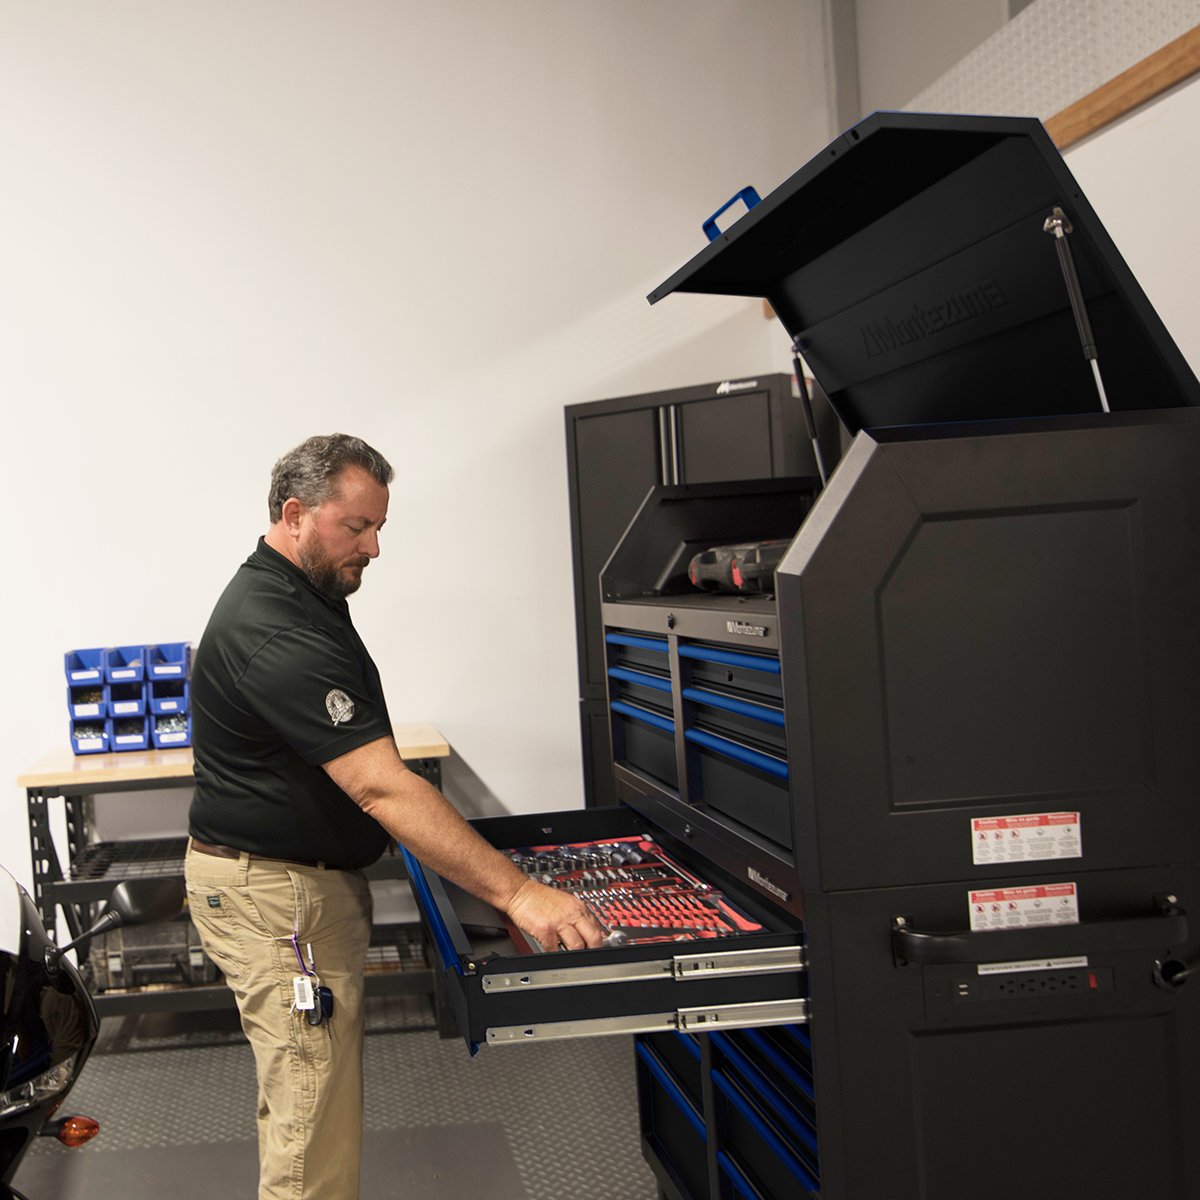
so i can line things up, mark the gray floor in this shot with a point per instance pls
(175, 1100)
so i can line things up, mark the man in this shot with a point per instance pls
(298, 786)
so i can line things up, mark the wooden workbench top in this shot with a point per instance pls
(75, 774)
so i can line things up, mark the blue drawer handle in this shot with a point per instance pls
(658, 645)
(761, 1084)
(640, 677)
(441, 935)
(748, 196)
(732, 658)
(764, 1131)
(785, 1068)
(799, 1034)
(744, 708)
(733, 1173)
(752, 758)
(643, 715)
(680, 1101)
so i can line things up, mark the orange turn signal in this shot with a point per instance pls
(74, 1131)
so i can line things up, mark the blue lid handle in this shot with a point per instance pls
(747, 196)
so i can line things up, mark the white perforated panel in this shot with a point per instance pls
(1054, 53)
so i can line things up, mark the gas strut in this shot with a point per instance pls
(806, 408)
(1060, 225)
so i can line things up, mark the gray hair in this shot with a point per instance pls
(310, 471)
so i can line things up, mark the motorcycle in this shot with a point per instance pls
(48, 1021)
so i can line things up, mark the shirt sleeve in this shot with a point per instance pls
(313, 691)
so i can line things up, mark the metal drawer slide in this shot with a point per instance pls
(695, 1020)
(682, 967)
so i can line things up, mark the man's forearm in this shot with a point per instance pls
(414, 812)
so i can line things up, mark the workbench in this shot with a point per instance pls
(80, 883)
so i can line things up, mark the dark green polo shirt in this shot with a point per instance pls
(281, 683)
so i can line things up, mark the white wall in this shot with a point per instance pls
(1142, 175)
(226, 226)
(902, 48)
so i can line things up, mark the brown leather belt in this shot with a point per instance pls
(232, 852)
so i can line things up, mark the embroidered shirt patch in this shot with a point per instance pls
(339, 706)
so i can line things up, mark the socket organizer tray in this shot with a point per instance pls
(638, 894)
(128, 697)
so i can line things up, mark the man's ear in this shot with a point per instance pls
(292, 513)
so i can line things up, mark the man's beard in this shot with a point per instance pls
(325, 574)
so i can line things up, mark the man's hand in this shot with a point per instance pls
(554, 918)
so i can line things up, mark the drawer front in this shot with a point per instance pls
(672, 1125)
(744, 968)
(765, 1111)
(642, 705)
(737, 752)
(680, 1053)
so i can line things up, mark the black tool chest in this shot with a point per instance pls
(950, 760)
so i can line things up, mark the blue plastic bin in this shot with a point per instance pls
(168, 660)
(89, 736)
(125, 664)
(168, 696)
(128, 733)
(87, 700)
(171, 730)
(126, 699)
(84, 666)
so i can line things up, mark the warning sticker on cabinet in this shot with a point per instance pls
(1032, 964)
(1031, 837)
(1024, 907)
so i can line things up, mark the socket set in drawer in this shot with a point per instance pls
(635, 890)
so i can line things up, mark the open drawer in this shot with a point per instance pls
(744, 968)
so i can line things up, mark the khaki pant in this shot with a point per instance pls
(309, 1077)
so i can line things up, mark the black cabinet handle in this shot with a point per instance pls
(1169, 927)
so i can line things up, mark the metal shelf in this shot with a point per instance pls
(102, 865)
(396, 965)
(79, 881)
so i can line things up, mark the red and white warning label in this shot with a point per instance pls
(1027, 838)
(1023, 907)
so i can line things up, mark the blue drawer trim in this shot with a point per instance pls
(672, 1089)
(735, 1176)
(744, 708)
(780, 1063)
(690, 1044)
(658, 645)
(641, 677)
(764, 1131)
(416, 878)
(644, 715)
(762, 1084)
(752, 758)
(798, 1033)
(731, 658)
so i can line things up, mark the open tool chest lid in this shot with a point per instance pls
(910, 263)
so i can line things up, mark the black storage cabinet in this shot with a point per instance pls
(950, 765)
(985, 626)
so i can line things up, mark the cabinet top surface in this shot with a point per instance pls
(77, 773)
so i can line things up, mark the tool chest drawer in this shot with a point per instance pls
(684, 950)
(672, 1123)
(644, 738)
(680, 1054)
(640, 697)
(765, 1116)
(756, 1147)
